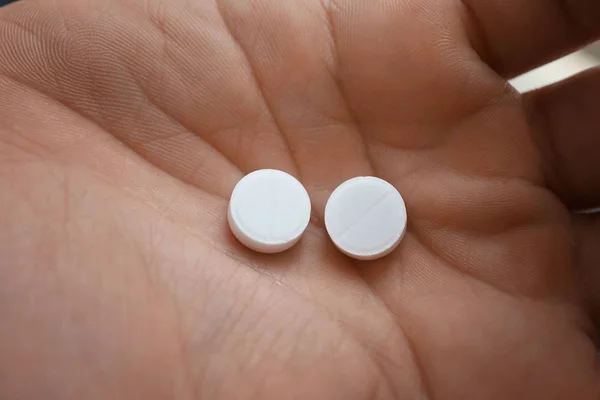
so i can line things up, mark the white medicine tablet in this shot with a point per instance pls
(269, 211)
(366, 218)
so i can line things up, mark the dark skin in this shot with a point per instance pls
(125, 124)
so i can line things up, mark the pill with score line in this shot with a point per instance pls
(366, 218)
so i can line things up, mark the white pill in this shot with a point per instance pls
(269, 211)
(366, 218)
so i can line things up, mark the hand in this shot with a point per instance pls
(126, 124)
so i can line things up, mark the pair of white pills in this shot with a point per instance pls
(269, 211)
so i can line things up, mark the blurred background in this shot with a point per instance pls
(558, 70)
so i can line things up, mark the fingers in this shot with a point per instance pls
(566, 122)
(514, 36)
(289, 50)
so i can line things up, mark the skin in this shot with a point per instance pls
(124, 126)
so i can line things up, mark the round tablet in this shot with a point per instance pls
(366, 218)
(269, 211)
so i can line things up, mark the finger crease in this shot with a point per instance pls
(260, 90)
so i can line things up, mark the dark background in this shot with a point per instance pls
(5, 2)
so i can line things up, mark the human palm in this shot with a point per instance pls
(125, 125)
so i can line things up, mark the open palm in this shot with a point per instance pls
(124, 126)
